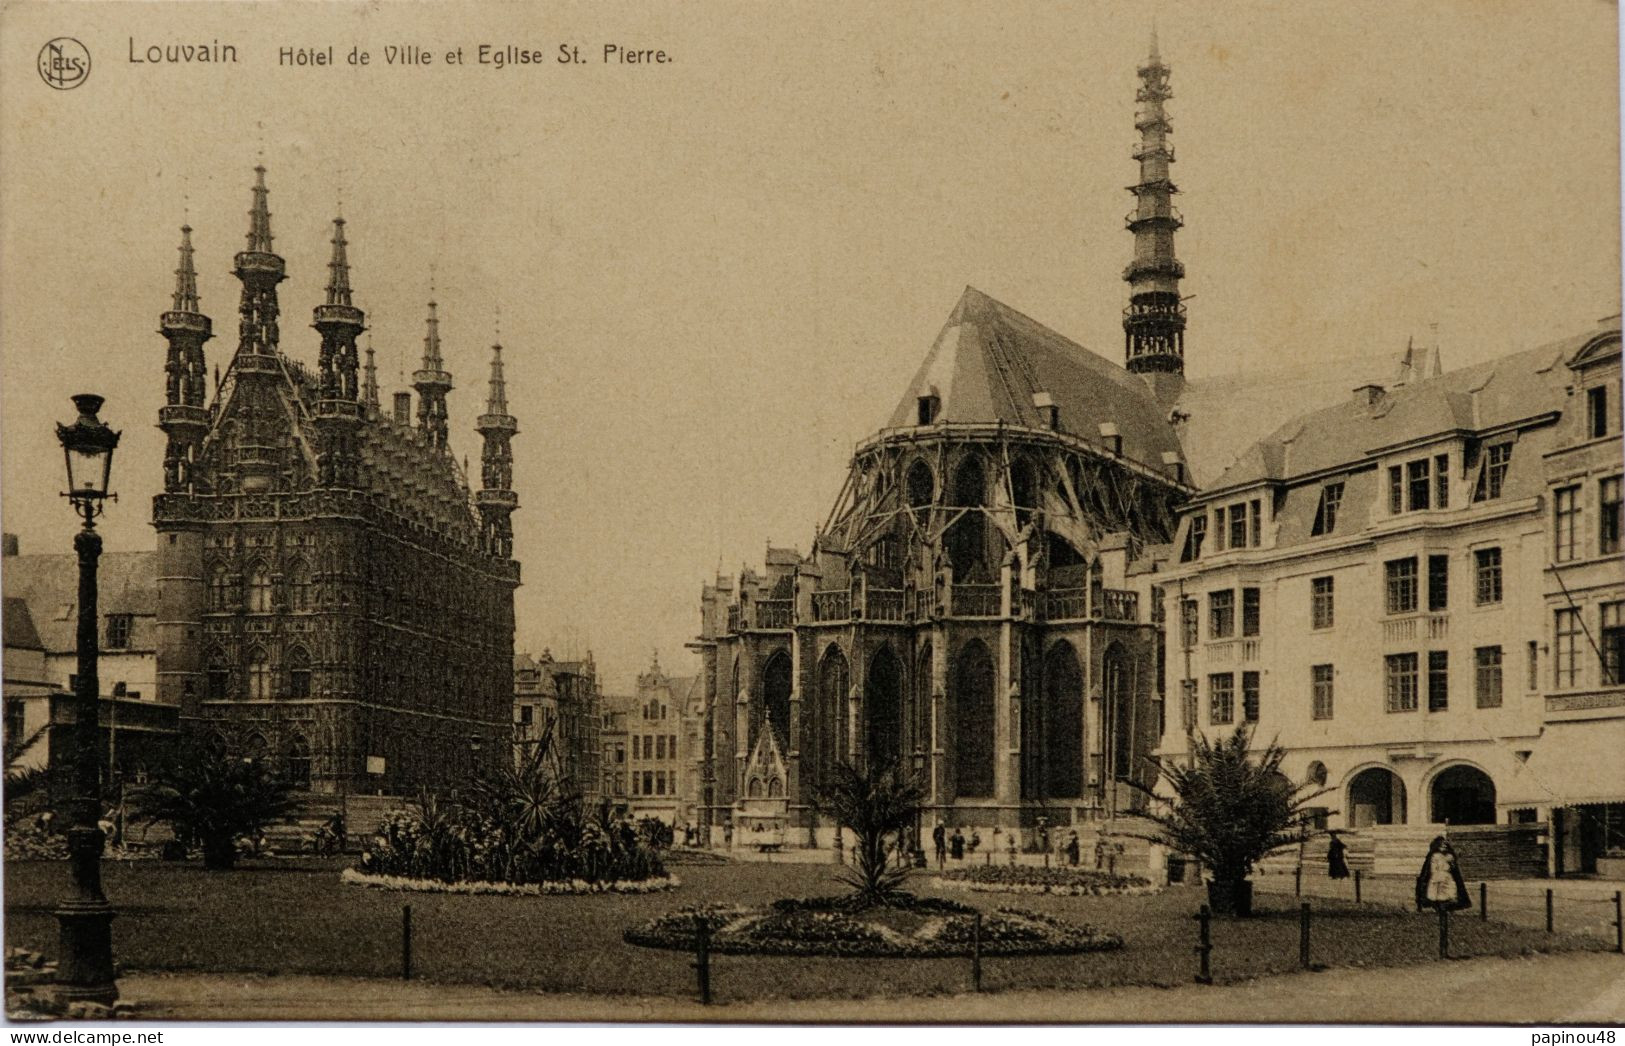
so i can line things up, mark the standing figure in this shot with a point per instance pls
(1439, 884)
(1072, 849)
(1337, 865)
(939, 837)
(957, 845)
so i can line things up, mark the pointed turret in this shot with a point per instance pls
(183, 417)
(432, 383)
(1154, 322)
(260, 270)
(337, 411)
(369, 381)
(497, 500)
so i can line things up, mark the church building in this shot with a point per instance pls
(332, 594)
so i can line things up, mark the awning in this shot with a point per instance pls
(1573, 763)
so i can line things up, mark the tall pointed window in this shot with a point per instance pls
(259, 589)
(259, 675)
(219, 589)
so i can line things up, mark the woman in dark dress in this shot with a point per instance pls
(1439, 884)
(1337, 865)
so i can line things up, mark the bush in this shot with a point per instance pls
(213, 801)
(1070, 882)
(877, 803)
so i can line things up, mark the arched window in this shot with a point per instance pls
(298, 673)
(921, 487)
(1063, 722)
(299, 586)
(883, 709)
(296, 762)
(828, 733)
(259, 675)
(776, 685)
(219, 681)
(967, 538)
(219, 589)
(1023, 490)
(973, 704)
(259, 589)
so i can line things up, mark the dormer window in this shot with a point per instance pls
(1419, 485)
(1597, 412)
(1044, 403)
(1331, 500)
(1113, 438)
(1492, 473)
(930, 406)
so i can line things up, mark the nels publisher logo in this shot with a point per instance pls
(64, 63)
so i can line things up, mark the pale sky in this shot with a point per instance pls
(716, 275)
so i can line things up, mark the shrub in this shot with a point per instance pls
(211, 800)
(877, 803)
(1062, 881)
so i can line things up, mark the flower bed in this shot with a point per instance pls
(915, 928)
(566, 886)
(1067, 882)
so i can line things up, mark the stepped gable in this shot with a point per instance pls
(990, 360)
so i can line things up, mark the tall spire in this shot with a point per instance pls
(369, 381)
(1154, 322)
(432, 382)
(259, 216)
(186, 299)
(338, 270)
(183, 417)
(496, 499)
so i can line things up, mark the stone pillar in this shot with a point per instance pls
(939, 722)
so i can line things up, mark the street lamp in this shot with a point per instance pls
(919, 775)
(85, 967)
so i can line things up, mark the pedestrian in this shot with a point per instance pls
(1100, 853)
(975, 840)
(957, 845)
(1439, 884)
(1072, 849)
(1337, 865)
(939, 838)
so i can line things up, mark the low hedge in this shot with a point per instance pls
(1069, 882)
(470, 886)
(914, 928)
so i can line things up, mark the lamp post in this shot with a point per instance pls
(85, 967)
(919, 774)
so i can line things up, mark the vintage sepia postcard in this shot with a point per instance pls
(1087, 512)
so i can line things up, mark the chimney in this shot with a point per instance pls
(1368, 396)
(403, 408)
(8, 544)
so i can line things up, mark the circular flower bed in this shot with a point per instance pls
(1068, 882)
(563, 886)
(914, 928)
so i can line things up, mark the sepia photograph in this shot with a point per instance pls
(1079, 513)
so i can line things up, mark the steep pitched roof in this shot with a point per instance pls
(19, 630)
(990, 359)
(1477, 398)
(126, 583)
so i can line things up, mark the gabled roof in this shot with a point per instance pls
(1479, 398)
(126, 583)
(990, 359)
(19, 630)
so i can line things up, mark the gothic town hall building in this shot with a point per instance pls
(332, 595)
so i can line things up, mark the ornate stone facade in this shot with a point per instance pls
(331, 593)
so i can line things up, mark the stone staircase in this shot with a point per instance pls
(296, 831)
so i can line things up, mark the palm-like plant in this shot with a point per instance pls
(25, 786)
(1231, 808)
(876, 802)
(211, 800)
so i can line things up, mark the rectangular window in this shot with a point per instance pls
(1249, 612)
(1331, 499)
(1534, 665)
(1401, 574)
(1487, 571)
(1438, 680)
(219, 684)
(1613, 644)
(1221, 615)
(660, 782)
(1255, 523)
(1597, 412)
(1238, 526)
(1249, 696)
(1566, 518)
(1396, 490)
(1487, 676)
(1417, 484)
(648, 782)
(118, 631)
(1193, 540)
(1608, 521)
(1492, 477)
(1321, 603)
(15, 713)
(527, 715)
(1221, 698)
(1320, 678)
(1441, 481)
(1189, 616)
(1438, 582)
(1566, 655)
(1400, 675)
(1221, 533)
(660, 748)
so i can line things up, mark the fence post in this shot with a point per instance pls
(1548, 909)
(1111, 864)
(1483, 901)
(1356, 886)
(702, 957)
(1204, 945)
(1046, 861)
(1444, 932)
(406, 942)
(1619, 924)
(976, 952)
(1303, 935)
(1297, 881)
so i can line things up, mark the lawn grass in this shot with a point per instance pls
(294, 916)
